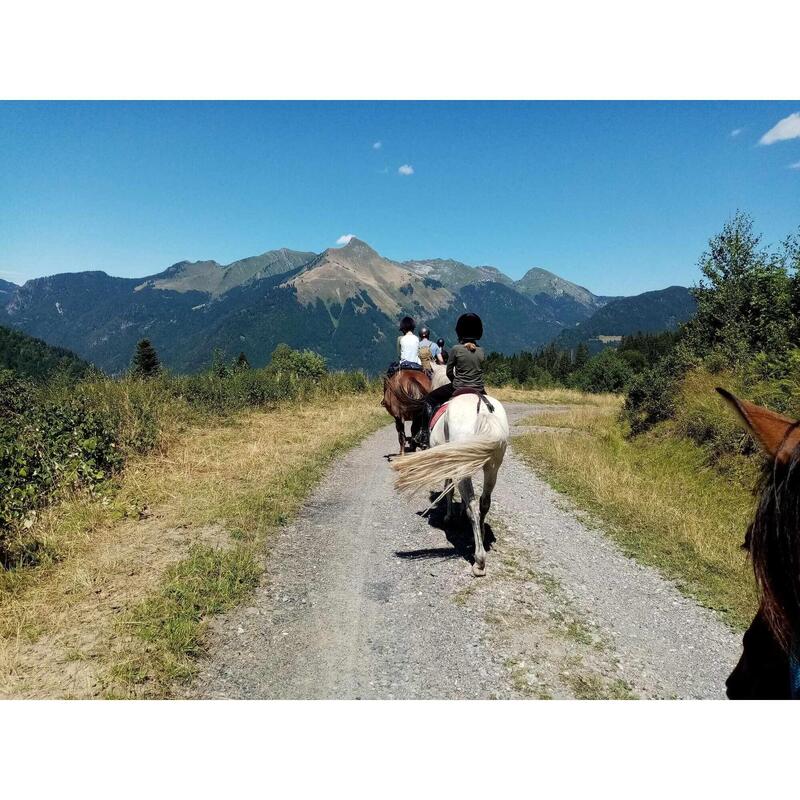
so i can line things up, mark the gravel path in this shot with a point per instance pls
(364, 598)
(668, 645)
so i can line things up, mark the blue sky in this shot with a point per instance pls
(620, 197)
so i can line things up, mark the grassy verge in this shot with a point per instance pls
(509, 394)
(122, 612)
(657, 497)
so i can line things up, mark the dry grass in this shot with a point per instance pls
(658, 498)
(509, 394)
(590, 419)
(122, 612)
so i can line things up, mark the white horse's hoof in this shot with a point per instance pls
(478, 571)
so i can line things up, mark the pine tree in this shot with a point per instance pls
(219, 366)
(241, 362)
(146, 363)
(581, 356)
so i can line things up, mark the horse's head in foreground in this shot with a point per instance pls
(773, 538)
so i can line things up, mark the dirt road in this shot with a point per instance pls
(364, 598)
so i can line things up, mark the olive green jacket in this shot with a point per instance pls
(465, 368)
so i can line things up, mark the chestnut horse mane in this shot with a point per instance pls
(773, 540)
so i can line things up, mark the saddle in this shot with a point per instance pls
(395, 367)
(457, 393)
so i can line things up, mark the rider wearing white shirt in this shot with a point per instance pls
(408, 343)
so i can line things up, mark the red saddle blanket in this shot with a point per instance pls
(437, 414)
(457, 393)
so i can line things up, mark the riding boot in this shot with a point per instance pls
(423, 437)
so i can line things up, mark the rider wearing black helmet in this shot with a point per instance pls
(428, 351)
(442, 351)
(464, 368)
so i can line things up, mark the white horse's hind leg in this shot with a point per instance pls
(470, 502)
(448, 514)
(489, 480)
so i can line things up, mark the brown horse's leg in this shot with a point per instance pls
(401, 433)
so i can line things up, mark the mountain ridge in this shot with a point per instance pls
(343, 302)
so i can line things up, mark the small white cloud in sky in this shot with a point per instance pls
(796, 165)
(406, 169)
(735, 132)
(787, 128)
(377, 145)
(345, 238)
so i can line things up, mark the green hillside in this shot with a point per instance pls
(33, 358)
(650, 312)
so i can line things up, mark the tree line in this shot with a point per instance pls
(611, 370)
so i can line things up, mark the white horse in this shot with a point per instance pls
(439, 377)
(467, 437)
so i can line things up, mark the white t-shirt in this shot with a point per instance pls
(409, 348)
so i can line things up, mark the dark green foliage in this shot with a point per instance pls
(651, 346)
(744, 336)
(746, 299)
(650, 397)
(581, 355)
(146, 363)
(650, 312)
(33, 358)
(59, 438)
(47, 447)
(606, 372)
(241, 362)
(303, 363)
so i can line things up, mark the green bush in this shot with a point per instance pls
(304, 363)
(67, 436)
(47, 448)
(650, 399)
(608, 371)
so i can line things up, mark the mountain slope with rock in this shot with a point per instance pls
(344, 303)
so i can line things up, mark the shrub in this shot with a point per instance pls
(605, 372)
(47, 448)
(746, 300)
(650, 399)
(305, 363)
(68, 436)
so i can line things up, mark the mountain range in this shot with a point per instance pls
(344, 303)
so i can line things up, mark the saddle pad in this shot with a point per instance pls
(435, 417)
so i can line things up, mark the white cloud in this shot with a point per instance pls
(796, 165)
(345, 238)
(735, 132)
(377, 145)
(406, 169)
(787, 128)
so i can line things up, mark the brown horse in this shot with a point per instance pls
(402, 394)
(769, 667)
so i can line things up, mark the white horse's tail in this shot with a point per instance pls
(453, 460)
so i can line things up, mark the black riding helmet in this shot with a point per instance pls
(440, 342)
(469, 326)
(407, 325)
(424, 333)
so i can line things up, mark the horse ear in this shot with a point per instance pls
(777, 435)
